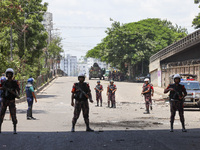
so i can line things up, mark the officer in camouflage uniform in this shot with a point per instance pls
(177, 94)
(99, 89)
(81, 92)
(111, 89)
(10, 92)
(146, 91)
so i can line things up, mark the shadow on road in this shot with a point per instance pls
(45, 96)
(24, 111)
(109, 140)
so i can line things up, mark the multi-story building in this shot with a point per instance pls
(69, 65)
(48, 24)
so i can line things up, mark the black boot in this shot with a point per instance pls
(183, 127)
(0, 128)
(147, 112)
(15, 129)
(171, 128)
(73, 127)
(72, 130)
(88, 129)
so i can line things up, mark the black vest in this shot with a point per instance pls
(12, 86)
(80, 95)
(178, 91)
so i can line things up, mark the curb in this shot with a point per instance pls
(23, 99)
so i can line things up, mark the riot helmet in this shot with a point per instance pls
(9, 70)
(30, 80)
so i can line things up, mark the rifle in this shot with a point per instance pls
(82, 92)
(11, 91)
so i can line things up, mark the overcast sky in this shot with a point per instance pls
(82, 23)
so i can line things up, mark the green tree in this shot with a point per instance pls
(29, 37)
(55, 49)
(132, 44)
(196, 20)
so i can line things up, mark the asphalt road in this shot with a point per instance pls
(125, 127)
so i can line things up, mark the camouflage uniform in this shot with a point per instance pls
(147, 96)
(81, 102)
(176, 102)
(9, 100)
(98, 94)
(111, 96)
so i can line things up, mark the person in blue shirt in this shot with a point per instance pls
(30, 96)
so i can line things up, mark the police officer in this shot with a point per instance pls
(99, 89)
(30, 95)
(81, 92)
(146, 91)
(177, 94)
(10, 92)
(111, 89)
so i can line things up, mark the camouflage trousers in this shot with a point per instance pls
(12, 109)
(84, 106)
(176, 105)
(148, 101)
(111, 98)
(98, 98)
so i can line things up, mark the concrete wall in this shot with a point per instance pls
(154, 77)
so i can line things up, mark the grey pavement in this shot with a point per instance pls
(125, 127)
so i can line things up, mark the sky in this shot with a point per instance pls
(82, 23)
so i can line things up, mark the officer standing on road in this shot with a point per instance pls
(177, 94)
(99, 89)
(111, 89)
(30, 96)
(81, 92)
(146, 91)
(11, 91)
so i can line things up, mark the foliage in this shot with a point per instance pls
(132, 44)
(29, 37)
(196, 20)
(55, 48)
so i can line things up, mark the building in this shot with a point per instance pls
(48, 24)
(69, 65)
(182, 57)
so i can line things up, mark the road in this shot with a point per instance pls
(125, 127)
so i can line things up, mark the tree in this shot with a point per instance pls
(54, 49)
(196, 20)
(132, 44)
(29, 37)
